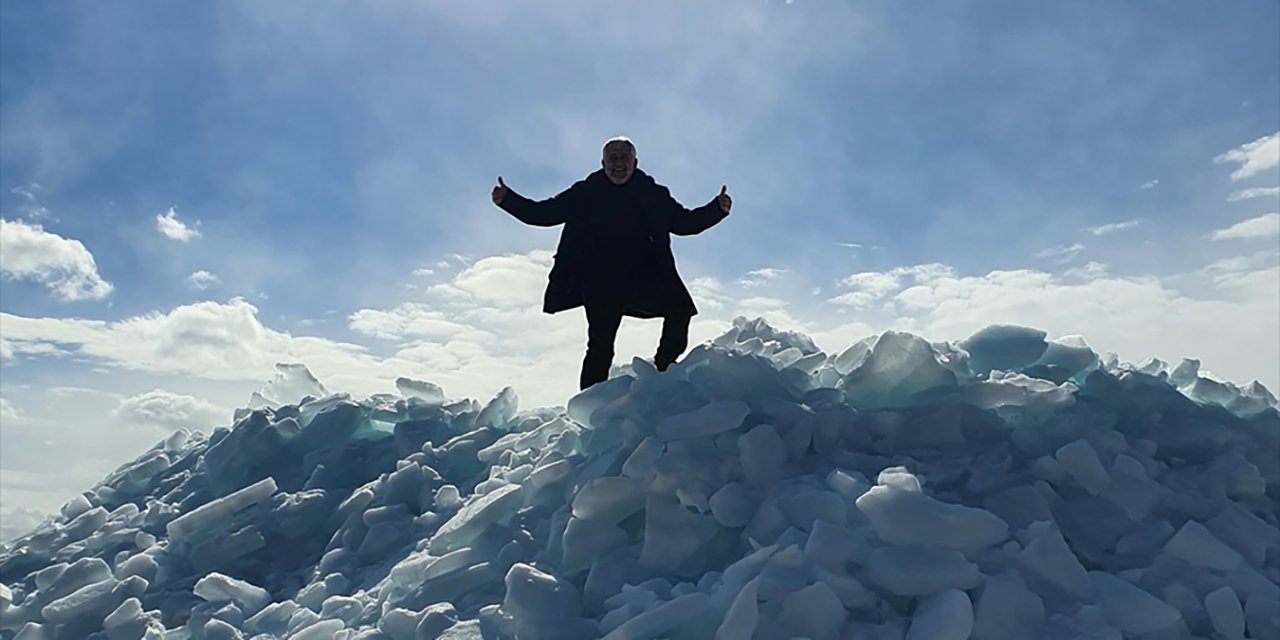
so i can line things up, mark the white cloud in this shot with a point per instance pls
(761, 277)
(1256, 192)
(205, 339)
(173, 228)
(19, 522)
(1263, 226)
(849, 245)
(1064, 253)
(169, 411)
(424, 272)
(1112, 228)
(202, 279)
(409, 320)
(1254, 157)
(1146, 186)
(7, 412)
(28, 252)
(871, 286)
(34, 210)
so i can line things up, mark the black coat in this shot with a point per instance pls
(615, 249)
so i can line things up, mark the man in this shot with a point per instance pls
(614, 257)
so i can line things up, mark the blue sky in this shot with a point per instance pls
(192, 193)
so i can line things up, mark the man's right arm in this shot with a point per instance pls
(539, 213)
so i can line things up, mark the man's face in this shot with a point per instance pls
(619, 163)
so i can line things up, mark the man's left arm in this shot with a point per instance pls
(686, 222)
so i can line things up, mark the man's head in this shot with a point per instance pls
(619, 159)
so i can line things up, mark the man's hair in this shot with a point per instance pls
(619, 140)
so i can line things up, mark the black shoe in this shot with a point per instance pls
(661, 364)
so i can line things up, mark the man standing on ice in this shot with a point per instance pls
(614, 257)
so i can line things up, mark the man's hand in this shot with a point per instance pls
(500, 191)
(723, 199)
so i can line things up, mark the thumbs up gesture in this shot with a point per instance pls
(500, 191)
(724, 200)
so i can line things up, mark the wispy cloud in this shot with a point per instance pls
(849, 245)
(761, 277)
(202, 279)
(34, 210)
(28, 252)
(1256, 192)
(1063, 253)
(1112, 228)
(1147, 186)
(1253, 157)
(1263, 226)
(173, 228)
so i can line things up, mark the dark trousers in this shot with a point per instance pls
(602, 329)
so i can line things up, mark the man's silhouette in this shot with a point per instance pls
(614, 256)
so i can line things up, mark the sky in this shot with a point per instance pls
(192, 193)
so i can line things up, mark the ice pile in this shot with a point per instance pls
(1003, 488)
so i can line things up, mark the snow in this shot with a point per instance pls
(1008, 486)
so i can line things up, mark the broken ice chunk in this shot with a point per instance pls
(500, 410)
(1195, 544)
(1130, 608)
(1082, 463)
(1048, 559)
(732, 505)
(495, 506)
(1004, 347)
(814, 612)
(946, 616)
(716, 417)
(216, 587)
(537, 602)
(1225, 613)
(428, 393)
(1007, 610)
(672, 534)
(212, 516)
(609, 500)
(762, 454)
(921, 571)
(586, 540)
(662, 618)
(900, 367)
(741, 619)
(911, 518)
(899, 477)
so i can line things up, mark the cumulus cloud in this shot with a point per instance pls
(205, 339)
(202, 280)
(1112, 228)
(1253, 157)
(28, 252)
(173, 228)
(169, 411)
(1256, 192)
(1263, 226)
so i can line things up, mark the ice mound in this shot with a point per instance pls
(1004, 488)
